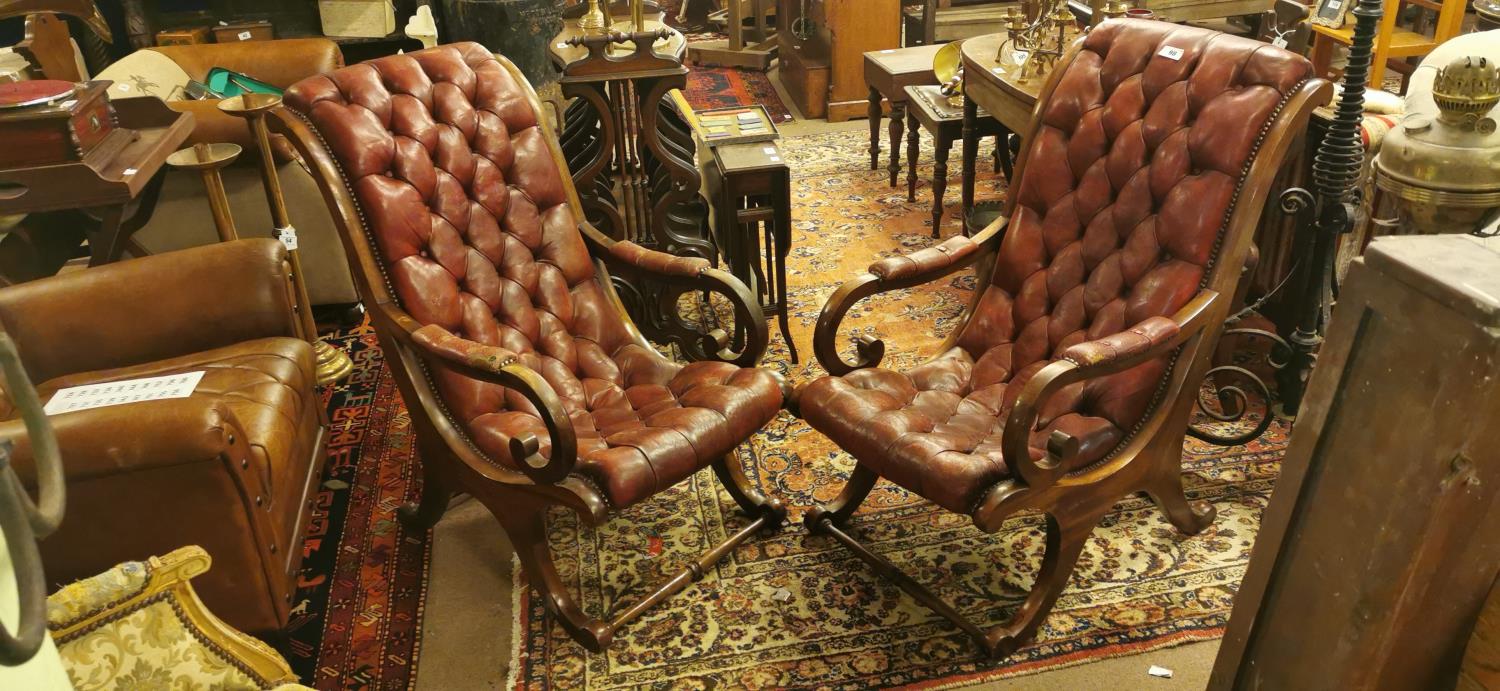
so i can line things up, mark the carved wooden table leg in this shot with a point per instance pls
(943, 145)
(875, 99)
(898, 117)
(913, 149)
(971, 156)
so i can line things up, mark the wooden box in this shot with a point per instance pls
(1382, 540)
(184, 37)
(58, 132)
(357, 18)
(234, 32)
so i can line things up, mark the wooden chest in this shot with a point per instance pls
(1382, 540)
(58, 132)
(235, 32)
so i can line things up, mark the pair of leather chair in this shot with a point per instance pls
(1067, 386)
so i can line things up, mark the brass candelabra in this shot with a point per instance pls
(1036, 36)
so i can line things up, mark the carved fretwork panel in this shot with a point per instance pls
(633, 159)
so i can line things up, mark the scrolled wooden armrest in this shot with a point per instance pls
(1148, 340)
(916, 268)
(633, 261)
(503, 367)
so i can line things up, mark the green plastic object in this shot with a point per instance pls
(228, 83)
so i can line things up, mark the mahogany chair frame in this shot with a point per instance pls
(1147, 460)
(452, 463)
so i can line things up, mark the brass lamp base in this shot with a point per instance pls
(332, 364)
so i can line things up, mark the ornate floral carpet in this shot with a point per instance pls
(796, 611)
(358, 614)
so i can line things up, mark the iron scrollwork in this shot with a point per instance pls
(1229, 400)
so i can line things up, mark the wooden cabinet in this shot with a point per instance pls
(822, 49)
(1382, 539)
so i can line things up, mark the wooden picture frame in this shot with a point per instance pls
(1331, 13)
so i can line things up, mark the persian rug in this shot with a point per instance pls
(357, 615)
(796, 611)
(724, 87)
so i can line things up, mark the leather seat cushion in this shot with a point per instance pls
(263, 381)
(931, 431)
(650, 428)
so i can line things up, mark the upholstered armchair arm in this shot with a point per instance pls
(631, 261)
(503, 367)
(1148, 340)
(893, 273)
(152, 308)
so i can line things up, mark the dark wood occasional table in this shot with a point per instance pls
(751, 186)
(989, 87)
(888, 73)
(128, 180)
(929, 109)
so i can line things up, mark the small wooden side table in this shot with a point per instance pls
(989, 86)
(126, 181)
(929, 108)
(888, 73)
(752, 190)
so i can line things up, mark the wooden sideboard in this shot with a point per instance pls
(1382, 540)
(822, 52)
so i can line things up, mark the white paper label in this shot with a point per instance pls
(1161, 672)
(888, 50)
(1279, 41)
(770, 150)
(1335, 4)
(243, 36)
(288, 237)
(1170, 52)
(125, 391)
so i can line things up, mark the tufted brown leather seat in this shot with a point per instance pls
(516, 354)
(1148, 160)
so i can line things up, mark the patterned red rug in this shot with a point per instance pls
(358, 615)
(724, 87)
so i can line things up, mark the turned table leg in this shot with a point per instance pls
(898, 114)
(874, 113)
(913, 149)
(943, 145)
(971, 156)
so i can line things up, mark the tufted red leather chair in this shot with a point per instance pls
(1069, 382)
(526, 381)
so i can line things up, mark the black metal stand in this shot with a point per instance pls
(1328, 211)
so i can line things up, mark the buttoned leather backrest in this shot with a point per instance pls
(1119, 208)
(457, 181)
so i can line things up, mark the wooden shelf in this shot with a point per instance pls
(1404, 43)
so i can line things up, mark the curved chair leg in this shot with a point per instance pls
(751, 500)
(436, 493)
(524, 519)
(1190, 517)
(861, 481)
(1065, 541)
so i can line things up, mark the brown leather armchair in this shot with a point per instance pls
(527, 383)
(1069, 382)
(231, 468)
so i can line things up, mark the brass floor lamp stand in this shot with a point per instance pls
(332, 363)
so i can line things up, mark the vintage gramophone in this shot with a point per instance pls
(1441, 165)
(948, 65)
